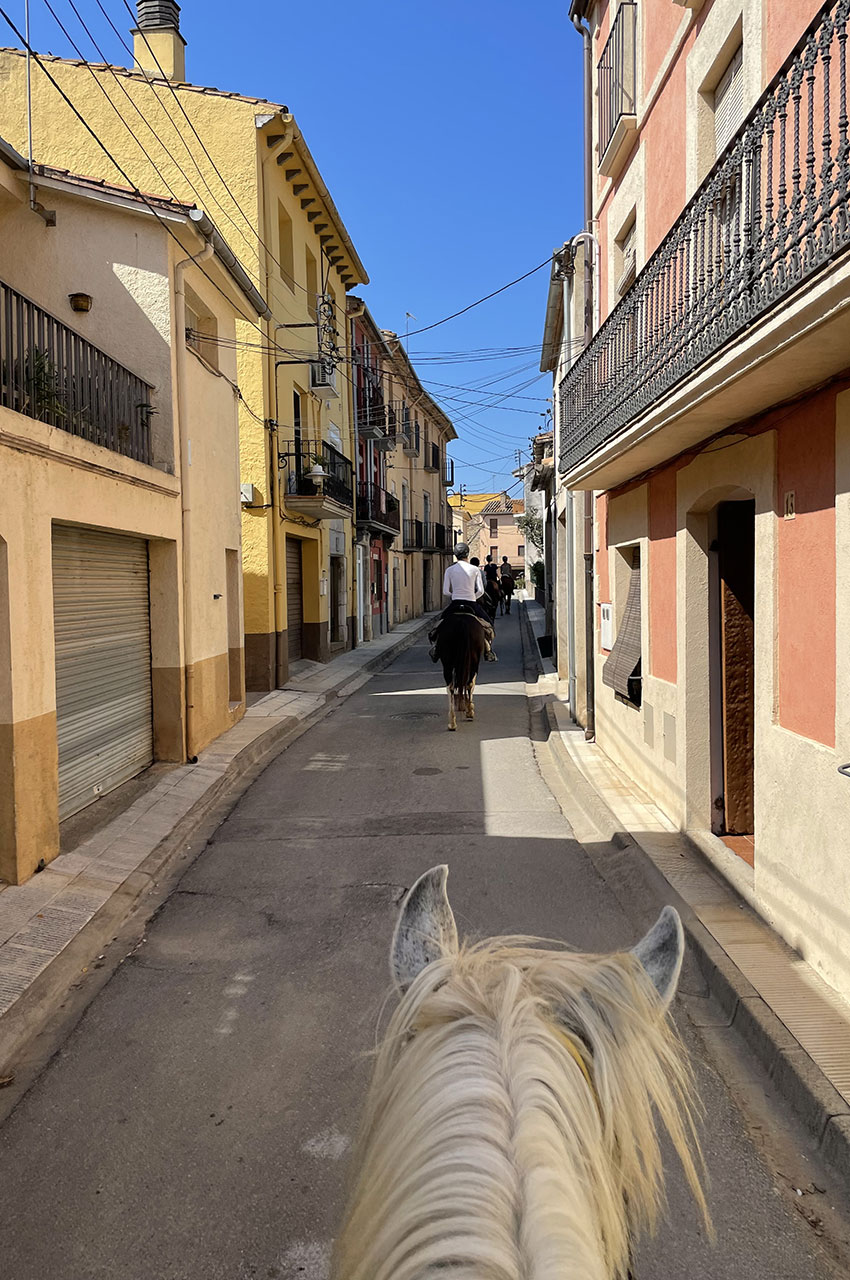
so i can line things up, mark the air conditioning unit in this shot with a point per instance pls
(323, 379)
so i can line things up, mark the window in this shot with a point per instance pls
(312, 286)
(521, 549)
(729, 102)
(494, 551)
(625, 262)
(201, 329)
(494, 527)
(285, 252)
(622, 669)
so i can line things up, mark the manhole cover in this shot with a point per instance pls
(416, 715)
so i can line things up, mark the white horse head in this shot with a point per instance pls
(510, 1130)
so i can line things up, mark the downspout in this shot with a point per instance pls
(186, 490)
(590, 712)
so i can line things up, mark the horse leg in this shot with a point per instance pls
(470, 705)
(452, 721)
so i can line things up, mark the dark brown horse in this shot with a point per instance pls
(492, 598)
(460, 647)
(507, 585)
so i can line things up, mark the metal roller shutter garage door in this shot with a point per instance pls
(101, 604)
(294, 603)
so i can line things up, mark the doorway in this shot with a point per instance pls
(426, 585)
(733, 676)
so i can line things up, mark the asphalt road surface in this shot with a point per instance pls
(196, 1124)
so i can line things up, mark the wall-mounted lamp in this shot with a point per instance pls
(80, 301)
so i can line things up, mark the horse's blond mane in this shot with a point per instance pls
(484, 1154)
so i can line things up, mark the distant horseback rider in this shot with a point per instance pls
(491, 570)
(462, 583)
(505, 568)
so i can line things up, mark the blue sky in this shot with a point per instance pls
(449, 135)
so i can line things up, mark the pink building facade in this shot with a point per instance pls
(708, 418)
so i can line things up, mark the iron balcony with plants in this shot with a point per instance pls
(52, 374)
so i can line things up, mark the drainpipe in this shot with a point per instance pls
(186, 488)
(584, 32)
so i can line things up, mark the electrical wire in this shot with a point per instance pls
(426, 329)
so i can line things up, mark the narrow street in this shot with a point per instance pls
(195, 1126)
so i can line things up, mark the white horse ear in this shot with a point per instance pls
(661, 953)
(426, 928)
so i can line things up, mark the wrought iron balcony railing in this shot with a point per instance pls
(303, 457)
(770, 215)
(376, 506)
(432, 456)
(413, 534)
(50, 373)
(434, 536)
(616, 74)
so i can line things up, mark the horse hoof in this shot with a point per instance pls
(451, 728)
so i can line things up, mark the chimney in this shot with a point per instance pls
(157, 39)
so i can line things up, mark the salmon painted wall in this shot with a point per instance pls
(785, 23)
(666, 144)
(806, 558)
(659, 24)
(662, 575)
(602, 568)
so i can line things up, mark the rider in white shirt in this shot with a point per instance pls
(462, 582)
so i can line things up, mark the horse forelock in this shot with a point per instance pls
(484, 1151)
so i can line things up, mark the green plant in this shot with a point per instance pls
(531, 526)
(538, 574)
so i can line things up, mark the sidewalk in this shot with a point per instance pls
(39, 919)
(797, 1026)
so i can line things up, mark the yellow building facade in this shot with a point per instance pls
(120, 564)
(245, 162)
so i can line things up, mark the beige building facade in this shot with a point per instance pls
(120, 561)
(418, 475)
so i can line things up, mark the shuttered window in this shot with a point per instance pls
(622, 669)
(101, 613)
(729, 102)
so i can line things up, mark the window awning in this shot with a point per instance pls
(621, 671)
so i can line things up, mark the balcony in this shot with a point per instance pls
(377, 509)
(49, 373)
(434, 536)
(448, 472)
(413, 535)
(756, 264)
(410, 438)
(432, 456)
(327, 496)
(370, 414)
(616, 77)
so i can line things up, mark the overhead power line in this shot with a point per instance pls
(478, 301)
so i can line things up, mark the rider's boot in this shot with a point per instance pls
(489, 655)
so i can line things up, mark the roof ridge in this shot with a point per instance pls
(140, 75)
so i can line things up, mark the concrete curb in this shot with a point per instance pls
(795, 1075)
(156, 877)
